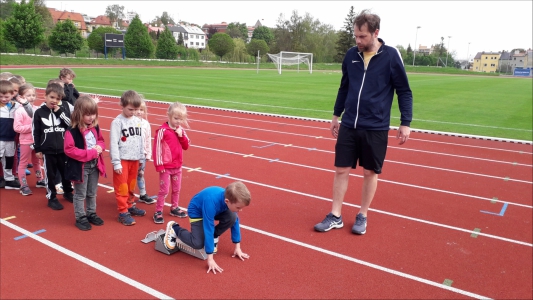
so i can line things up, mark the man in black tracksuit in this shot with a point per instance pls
(371, 73)
(48, 129)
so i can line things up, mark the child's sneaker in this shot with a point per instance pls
(215, 249)
(2, 183)
(69, 197)
(177, 212)
(29, 166)
(54, 204)
(126, 219)
(25, 190)
(158, 218)
(146, 199)
(95, 220)
(134, 211)
(27, 172)
(12, 185)
(170, 236)
(59, 189)
(40, 184)
(83, 224)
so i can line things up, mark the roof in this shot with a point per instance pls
(101, 20)
(64, 15)
(186, 29)
(505, 56)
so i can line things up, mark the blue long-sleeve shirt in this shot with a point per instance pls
(208, 203)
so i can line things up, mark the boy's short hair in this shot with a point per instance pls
(14, 80)
(5, 75)
(55, 80)
(55, 88)
(66, 72)
(6, 87)
(19, 77)
(132, 98)
(237, 191)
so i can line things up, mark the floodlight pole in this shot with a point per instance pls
(467, 59)
(414, 52)
(448, 50)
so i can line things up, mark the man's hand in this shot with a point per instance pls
(334, 127)
(403, 134)
(212, 265)
(238, 253)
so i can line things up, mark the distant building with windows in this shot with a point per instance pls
(193, 36)
(486, 62)
(75, 17)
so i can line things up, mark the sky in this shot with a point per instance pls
(468, 27)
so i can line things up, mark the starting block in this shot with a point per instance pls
(180, 246)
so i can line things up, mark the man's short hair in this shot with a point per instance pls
(371, 20)
(237, 191)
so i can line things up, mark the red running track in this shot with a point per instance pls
(422, 232)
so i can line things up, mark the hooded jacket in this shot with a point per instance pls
(48, 129)
(365, 96)
(168, 148)
(78, 154)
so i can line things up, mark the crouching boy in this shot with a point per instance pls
(210, 204)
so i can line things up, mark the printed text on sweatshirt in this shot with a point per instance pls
(126, 142)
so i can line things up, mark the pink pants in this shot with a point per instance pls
(165, 178)
(27, 154)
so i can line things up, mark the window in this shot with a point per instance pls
(485, 65)
(202, 44)
(197, 43)
(203, 37)
(192, 43)
(493, 65)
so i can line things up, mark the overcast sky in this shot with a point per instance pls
(480, 23)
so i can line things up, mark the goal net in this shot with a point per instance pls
(292, 58)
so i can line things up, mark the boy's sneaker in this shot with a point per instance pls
(2, 183)
(215, 249)
(329, 223)
(25, 191)
(29, 166)
(126, 219)
(170, 236)
(95, 220)
(40, 184)
(83, 224)
(54, 204)
(12, 185)
(177, 212)
(59, 189)
(360, 224)
(146, 199)
(158, 218)
(69, 197)
(27, 172)
(134, 211)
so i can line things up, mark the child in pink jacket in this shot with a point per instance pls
(23, 125)
(169, 142)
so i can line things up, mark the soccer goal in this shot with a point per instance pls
(291, 59)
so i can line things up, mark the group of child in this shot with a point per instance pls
(64, 133)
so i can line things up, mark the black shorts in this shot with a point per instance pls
(367, 146)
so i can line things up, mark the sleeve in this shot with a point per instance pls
(343, 90)
(208, 215)
(100, 142)
(20, 120)
(147, 140)
(401, 85)
(76, 95)
(83, 155)
(60, 113)
(36, 130)
(157, 154)
(184, 141)
(114, 137)
(236, 231)
(141, 147)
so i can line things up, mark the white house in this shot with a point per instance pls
(193, 37)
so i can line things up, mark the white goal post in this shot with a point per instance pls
(291, 59)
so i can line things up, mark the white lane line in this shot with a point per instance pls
(348, 258)
(88, 262)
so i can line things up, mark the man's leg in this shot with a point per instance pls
(370, 184)
(340, 185)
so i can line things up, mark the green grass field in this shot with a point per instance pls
(489, 106)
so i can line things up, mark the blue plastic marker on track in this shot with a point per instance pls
(23, 236)
(269, 145)
(501, 211)
(220, 176)
(274, 160)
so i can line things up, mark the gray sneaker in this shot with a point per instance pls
(360, 225)
(25, 190)
(329, 223)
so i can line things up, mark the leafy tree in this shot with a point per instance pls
(65, 37)
(137, 41)
(263, 33)
(257, 45)
(5, 46)
(221, 44)
(346, 39)
(24, 28)
(115, 13)
(153, 35)
(409, 49)
(166, 46)
(180, 39)
(237, 30)
(6, 7)
(166, 19)
(239, 53)
(95, 41)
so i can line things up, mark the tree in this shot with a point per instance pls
(237, 30)
(409, 49)
(24, 28)
(166, 19)
(166, 46)
(257, 45)
(95, 41)
(221, 44)
(65, 37)
(263, 33)
(6, 7)
(180, 39)
(115, 13)
(345, 36)
(137, 41)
